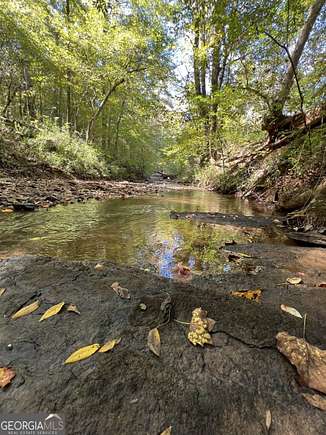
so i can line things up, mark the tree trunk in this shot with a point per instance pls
(69, 74)
(283, 95)
(100, 108)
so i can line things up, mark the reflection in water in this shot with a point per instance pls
(135, 231)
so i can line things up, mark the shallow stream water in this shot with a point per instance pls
(136, 231)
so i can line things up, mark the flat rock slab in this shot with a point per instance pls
(309, 238)
(225, 219)
(225, 389)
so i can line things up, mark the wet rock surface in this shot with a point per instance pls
(225, 219)
(27, 194)
(225, 389)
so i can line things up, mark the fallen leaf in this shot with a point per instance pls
(268, 419)
(316, 400)
(234, 256)
(6, 375)
(99, 267)
(291, 311)
(109, 345)
(121, 291)
(322, 284)
(55, 309)
(251, 295)
(182, 270)
(26, 310)
(2, 290)
(73, 308)
(82, 353)
(154, 341)
(167, 431)
(294, 281)
(309, 360)
(200, 328)
(7, 210)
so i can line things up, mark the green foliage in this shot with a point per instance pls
(209, 177)
(59, 148)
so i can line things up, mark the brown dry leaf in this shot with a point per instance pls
(291, 311)
(26, 310)
(121, 291)
(109, 345)
(2, 290)
(99, 266)
(199, 328)
(322, 284)
(6, 375)
(73, 308)
(154, 341)
(7, 210)
(167, 431)
(309, 360)
(251, 295)
(295, 280)
(316, 400)
(234, 256)
(83, 353)
(55, 309)
(268, 419)
(182, 270)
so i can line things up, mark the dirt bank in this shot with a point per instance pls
(28, 194)
(225, 389)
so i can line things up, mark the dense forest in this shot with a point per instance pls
(123, 88)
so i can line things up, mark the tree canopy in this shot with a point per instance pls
(107, 72)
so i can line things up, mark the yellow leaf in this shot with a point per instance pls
(73, 308)
(2, 290)
(52, 311)
(7, 210)
(251, 295)
(26, 310)
(291, 311)
(167, 431)
(6, 375)
(109, 345)
(199, 328)
(82, 353)
(154, 341)
(294, 281)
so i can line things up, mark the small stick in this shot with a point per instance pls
(304, 326)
